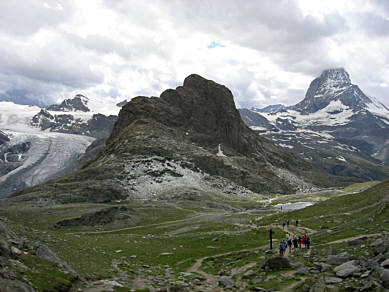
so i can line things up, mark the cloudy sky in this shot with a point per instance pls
(265, 51)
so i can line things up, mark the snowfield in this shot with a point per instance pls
(50, 154)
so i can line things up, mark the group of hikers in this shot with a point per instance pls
(296, 242)
(286, 223)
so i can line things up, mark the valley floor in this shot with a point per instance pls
(200, 245)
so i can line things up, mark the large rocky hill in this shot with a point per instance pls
(191, 138)
(336, 127)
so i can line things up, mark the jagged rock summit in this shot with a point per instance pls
(169, 146)
(204, 110)
(333, 85)
(336, 126)
(77, 103)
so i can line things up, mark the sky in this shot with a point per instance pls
(265, 52)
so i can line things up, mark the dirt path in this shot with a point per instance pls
(351, 238)
(211, 282)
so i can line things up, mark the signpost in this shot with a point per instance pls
(271, 238)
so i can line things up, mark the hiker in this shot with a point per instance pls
(297, 223)
(287, 223)
(304, 241)
(287, 236)
(299, 241)
(283, 225)
(295, 242)
(281, 248)
(290, 245)
(285, 245)
(307, 242)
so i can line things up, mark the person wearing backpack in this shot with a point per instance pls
(295, 242)
(281, 248)
(307, 242)
(290, 245)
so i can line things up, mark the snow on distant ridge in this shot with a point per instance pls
(334, 114)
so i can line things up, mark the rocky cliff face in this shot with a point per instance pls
(3, 138)
(336, 126)
(188, 138)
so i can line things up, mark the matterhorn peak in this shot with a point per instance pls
(333, 85)
(335, 77)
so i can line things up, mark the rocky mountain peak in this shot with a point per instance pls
(331, 86)
(335, 77)
(77, 103)
(202, 108)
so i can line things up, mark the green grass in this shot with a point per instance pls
(187, 230)
(359, 186)
(43, 275)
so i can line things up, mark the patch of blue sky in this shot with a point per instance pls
(215, 44)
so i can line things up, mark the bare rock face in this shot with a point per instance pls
(202, 107)
(78, 103)
(3, 138)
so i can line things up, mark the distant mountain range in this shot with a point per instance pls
(336, 127)
(189, 142)
(38, 144)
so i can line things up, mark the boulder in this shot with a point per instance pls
(338, 259)
(43, 252)
(333, 280)
(226, 282)
(276, 263)
(385, 264)
(7, 285)
(384, 277)
(302, 271)
(347, 269)
(325, 267)
(331, 251)
(380, 246)
(4, 249)
(15, 251)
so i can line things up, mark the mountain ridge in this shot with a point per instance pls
(165, 145)
(333, 120)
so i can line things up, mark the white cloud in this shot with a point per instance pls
(269, 52)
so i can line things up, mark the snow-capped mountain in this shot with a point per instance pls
(38, 144)
(78, 103)
(271, 109)
(336, 126)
